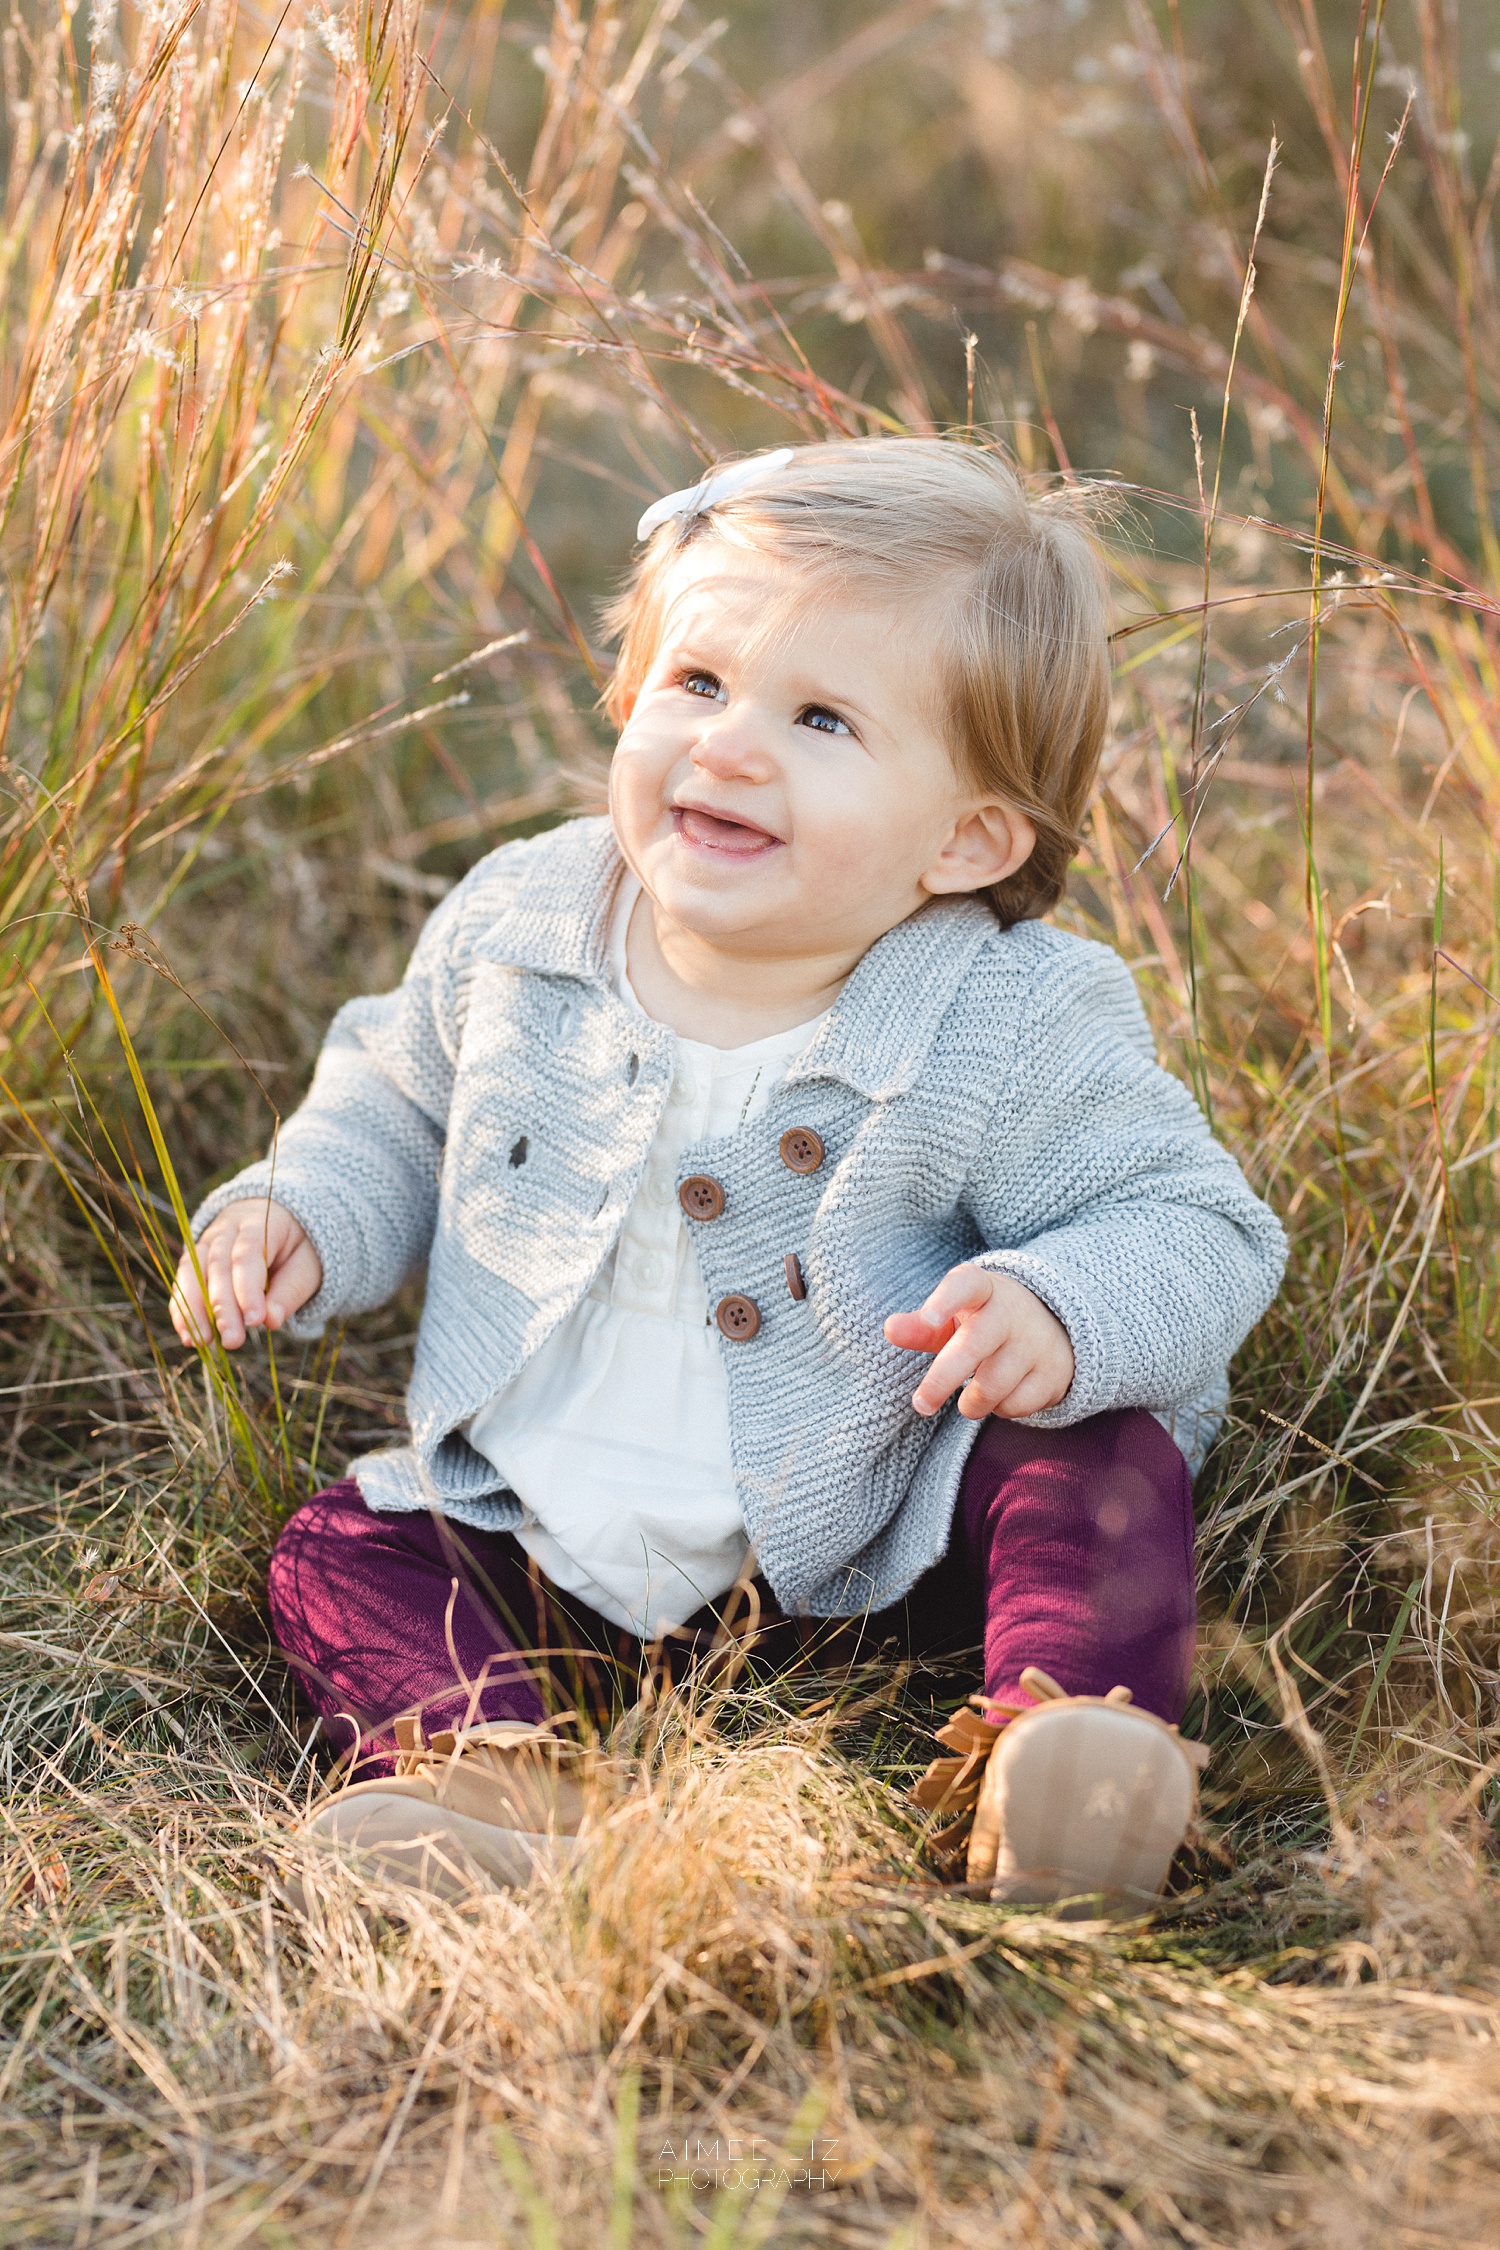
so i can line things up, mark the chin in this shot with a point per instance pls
(716, 911)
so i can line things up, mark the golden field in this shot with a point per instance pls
(341, 350)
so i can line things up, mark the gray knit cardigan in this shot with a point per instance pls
(981, 1094)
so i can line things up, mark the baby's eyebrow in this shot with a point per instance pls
(807, 690)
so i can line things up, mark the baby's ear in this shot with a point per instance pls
(987, 843)
(620, 702)
(616, 701)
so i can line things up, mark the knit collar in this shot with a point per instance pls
(557, 918)
(875, 1037)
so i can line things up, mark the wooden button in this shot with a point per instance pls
(701, 1197)
(738, 1318)
(801, 1149)
(795, 1282)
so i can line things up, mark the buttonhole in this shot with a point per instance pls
(519, 1152)
(632, 1069)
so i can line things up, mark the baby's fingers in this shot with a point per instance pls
(955, 1364)
(297, 1277)
(964, 1289)
(216, 1262)
(189, 1312)
(204, 1298)
(231, 1259)
(1035, 1391)
(1009, 1383)
(254, 1268)
(914, 1332)
(248, 1273)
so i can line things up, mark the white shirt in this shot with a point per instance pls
(615, 1434)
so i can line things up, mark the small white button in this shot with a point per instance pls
(684, 1089)
(647, 1268)
(660, 1186)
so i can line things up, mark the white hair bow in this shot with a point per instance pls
(696, 497)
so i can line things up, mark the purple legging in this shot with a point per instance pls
(1070, 1549)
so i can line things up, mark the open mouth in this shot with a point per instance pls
(714, 832)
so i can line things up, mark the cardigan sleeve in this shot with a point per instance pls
(358, 1163)
(1103, 1191)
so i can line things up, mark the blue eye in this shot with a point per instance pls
(823, 721)
(705, 684)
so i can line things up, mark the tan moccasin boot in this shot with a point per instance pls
(1078, 1798)
(482, 1808)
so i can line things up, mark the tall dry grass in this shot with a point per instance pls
(340, 351)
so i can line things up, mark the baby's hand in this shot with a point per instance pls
(259, 1267)
(994, 1337)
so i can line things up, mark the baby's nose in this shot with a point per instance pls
(733, 746)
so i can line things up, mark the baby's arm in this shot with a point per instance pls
(1130, 1256)
(345, 1205)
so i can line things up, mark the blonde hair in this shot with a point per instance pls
(1023, 656)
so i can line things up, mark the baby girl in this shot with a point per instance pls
(706, 1116)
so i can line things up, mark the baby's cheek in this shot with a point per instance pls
(870, 839)
(638, 771)
(848, 852)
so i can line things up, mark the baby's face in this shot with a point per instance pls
(788, 793)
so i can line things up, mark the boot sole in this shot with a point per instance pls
(1089, 1804)
(422, 1846)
